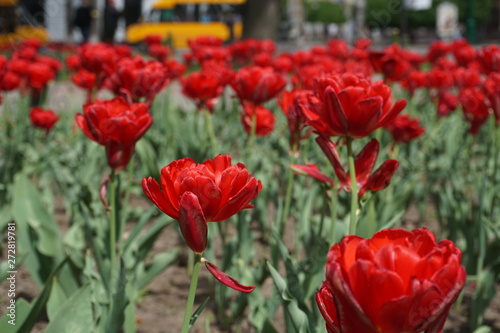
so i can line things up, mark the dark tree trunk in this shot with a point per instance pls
(261, 19)
(132, 11)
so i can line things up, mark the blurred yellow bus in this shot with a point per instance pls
(13, 29)
(181, 20)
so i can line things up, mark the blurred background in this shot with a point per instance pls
(293, 21)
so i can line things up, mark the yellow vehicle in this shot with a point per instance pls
(181, 20)
(13, 28)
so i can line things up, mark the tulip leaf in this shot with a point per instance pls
(297, 318)
(23, 308)
(56, 299)
(160, 262)
(75, 315)
(483, 329)
(197, 312)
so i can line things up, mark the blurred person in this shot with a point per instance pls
(111, 17)
(83, 20)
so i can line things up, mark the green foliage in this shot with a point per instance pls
(382, 13)
(324, 12)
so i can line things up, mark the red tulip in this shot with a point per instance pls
(492, 88)
(73, 62)
(397, 281)
(158, 52)
(136, 78)
(195, 194)
(404, 129)
(415, 79)
(53, 63)
(10, 81)
(84, 79)
(39, 75)
(447, 102)
(393, 62)
(290, 103)
(363, 164)
(99, 58)
(174, 69)
(42, 118)
(153, 40)
(257, 85)
(489, 58)
(351, 106)
(437, 50)
(475, 106)
(116, 125)
(466, 78)
(264, 119)
(204, 88)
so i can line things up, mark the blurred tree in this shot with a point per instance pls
(261, 18)
(382, 13)
(324, 12)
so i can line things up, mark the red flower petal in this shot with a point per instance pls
(192, 222)
(226, 279)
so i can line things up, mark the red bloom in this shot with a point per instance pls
(39, 75)
(393, 62)
(492, 88)
(136, 78)
(396, 281)
(466, 78)
(204, 41)
(73, 62)
(464, 52)
(404, 129)
(42, 118)
(475, 106)
(447, 103)
(290, 103)
(174, 69)
(363, 164)
(10, 81)
(99, 58)
(351, 106)
(415, 79)
(204, 87)
(158, 52)
(489, 58)
(116, 125)
(195, 194)
(84, 79)
(265, 119)
(152, 40)
(256, 84)
(438, 49)
(51, 62)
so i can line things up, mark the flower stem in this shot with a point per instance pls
(354, 189)
(211, 132)
(253, 133)
(333, 211)
(192, 292)
(112, 218)
(288, 196)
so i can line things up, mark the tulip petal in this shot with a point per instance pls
(381, 178)
(365, 161)
(226, 279)
(334, 112)
(192, 222)
(326, 305)
(313, 171)
(152, 190)
(364, 116)
(331, 153)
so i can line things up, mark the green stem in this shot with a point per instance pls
(211, 132)
(288, 196)
(253, 130)
(333, 211)
(354, 189)
(112, 218)
(192, 292)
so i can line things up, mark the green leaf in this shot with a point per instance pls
(197, 313)
(159, 263)
(56, 300)
(75, 315)
(297, 318)
(22, 310)
(40, 302)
